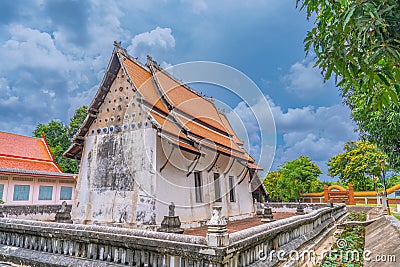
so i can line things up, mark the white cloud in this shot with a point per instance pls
(318, 133)
(31, 48)
(154, 39)
(304, 80)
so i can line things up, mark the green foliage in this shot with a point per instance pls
(351, 249)
(59, 136)
(357, 216)
(271, 183)
(392, 181)
(359, 42)
(378, 126)
(76, 121)
(293, 179)
(358, 165)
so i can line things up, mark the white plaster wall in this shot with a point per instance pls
(173, 185)
(117, 189)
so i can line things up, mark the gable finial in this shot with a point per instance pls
(150, 61)
(117, 44)
(119, 48)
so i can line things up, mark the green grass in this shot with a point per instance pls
(397, 216)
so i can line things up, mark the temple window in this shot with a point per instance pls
(232, 197)
(217, 187)
(198, 187)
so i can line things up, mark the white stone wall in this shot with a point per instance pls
(112, 168)
(173, 185)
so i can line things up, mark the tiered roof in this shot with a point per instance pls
(26, 155)
(182, 116)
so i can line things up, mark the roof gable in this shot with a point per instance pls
(173, 108)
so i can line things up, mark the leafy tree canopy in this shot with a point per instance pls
(359, 164)
(358, 41)
(271, 183)
(392, 181)
(293, 179)
(378, 126)
(59, 137)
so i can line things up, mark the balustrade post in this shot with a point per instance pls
(217, 233)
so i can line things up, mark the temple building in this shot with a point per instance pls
(149, 141)
(29, 175)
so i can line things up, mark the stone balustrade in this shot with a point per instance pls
(58, 244)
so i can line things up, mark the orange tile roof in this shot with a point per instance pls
(189, 102)
(230, 129)
(143, 82)
(202, 131)
(167, 125)
(255, 166)
(25, 164)
(26, 153)
(23, 146)
(163, 95)
(197, 114)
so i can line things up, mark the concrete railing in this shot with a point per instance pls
(56, 244)
(31, 212)
(263, 243)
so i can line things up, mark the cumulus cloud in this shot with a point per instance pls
(39, 78)
(316, 132)
(147, 42)
(304, 80)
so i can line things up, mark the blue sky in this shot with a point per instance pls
(53, 55)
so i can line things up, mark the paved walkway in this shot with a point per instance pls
(238, 225)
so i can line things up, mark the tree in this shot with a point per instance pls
(359, 164)
(293, 179)
(271, 183)
(76, 121)
(299, 176)
(59, 136)
(379, 126)
(358, 41)
(392, 181)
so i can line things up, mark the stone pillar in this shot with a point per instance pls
(326, 195)
(217, 233)
(259, 208)
(171, 223)
(267, 216)
(300, 210)
(63, 215)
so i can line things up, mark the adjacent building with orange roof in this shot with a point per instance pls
(28, 173)
(149, 140)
